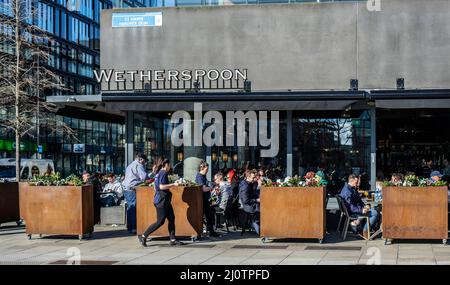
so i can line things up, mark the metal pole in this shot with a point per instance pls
(209, 161)
(373, 148)
(129, 137)
(289, 171)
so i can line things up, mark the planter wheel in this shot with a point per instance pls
(194, 239)
(80, 237)
(265, 239)
(40, 235)
(29, 237)
(320, 240)
(19, 222)
(444, 241)
(388, 241)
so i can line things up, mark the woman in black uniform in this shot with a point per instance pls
(162, 202)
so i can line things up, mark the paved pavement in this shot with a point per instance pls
(113, 245)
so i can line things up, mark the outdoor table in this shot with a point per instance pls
(187, 203)
(373, 204)
(293, 212)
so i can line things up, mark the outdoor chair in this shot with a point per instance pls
(346, 218)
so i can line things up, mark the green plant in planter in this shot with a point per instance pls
(440, 183)
(430, 183)
(73, 180)
(291, 182)
(411, 181)
(46, 180)
(414, 181)
(55, 180)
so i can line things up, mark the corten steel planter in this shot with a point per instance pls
(187, 203)
(293, 212)
(9, 202)
(57, 210)
(415, 213)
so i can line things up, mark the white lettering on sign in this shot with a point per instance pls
(112, 75)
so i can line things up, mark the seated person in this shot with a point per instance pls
(397, 179)
(221, 192)
(355, 205)
(249, 197)
(113, 192)
(435, 176)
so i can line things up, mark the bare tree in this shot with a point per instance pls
(25, 50)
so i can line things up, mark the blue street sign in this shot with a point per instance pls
(39, 149)
(149, 19)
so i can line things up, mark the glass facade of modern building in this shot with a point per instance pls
(98, 146)
(73, 26)
(335, 142)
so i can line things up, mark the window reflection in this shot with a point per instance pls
(339, 145)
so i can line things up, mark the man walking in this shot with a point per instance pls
(135, 174)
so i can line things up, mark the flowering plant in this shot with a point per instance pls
(185, 182)
(270, 183)
(149, 182)
(415, 181)
(411, 180)
(313, 180)
(173, 178)
(310, 180)
(291, 182)
(428, 182)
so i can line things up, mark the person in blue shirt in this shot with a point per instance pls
(249, 197)
(162, 201)
(135, 174)
(200, 179)
(355, 205)
(436, 176)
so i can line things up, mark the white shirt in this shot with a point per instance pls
(115, 187)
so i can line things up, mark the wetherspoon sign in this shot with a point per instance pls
(171, 79)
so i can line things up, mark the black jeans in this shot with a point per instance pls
(208, 211)
(164, 211)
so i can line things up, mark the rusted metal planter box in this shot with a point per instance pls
(415, 213)
(9, 202)
(293, 212)
(57, 210)
(187, 203)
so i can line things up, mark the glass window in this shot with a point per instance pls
(89, 132)
(82, 131)
(50, 20)
(63, 25)
(96, 133)
(114, 134)
(339, 146)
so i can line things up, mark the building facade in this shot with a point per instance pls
(355, 88)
